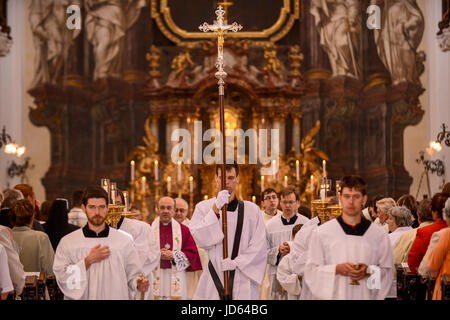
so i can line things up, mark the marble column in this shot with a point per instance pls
(173, 123)
(279, 122)
(296, 121)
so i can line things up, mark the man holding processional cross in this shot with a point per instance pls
(219, 224)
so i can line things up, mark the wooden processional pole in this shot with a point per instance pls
(220, 28)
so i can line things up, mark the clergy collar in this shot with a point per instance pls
(291, 220)
(357, 230)
(233, 204)
(165, 224)
(88, 233)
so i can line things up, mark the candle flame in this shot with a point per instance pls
(169, 178)
(132, 162)
(191, 178)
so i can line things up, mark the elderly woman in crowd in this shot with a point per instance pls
(399, 220)
(383, 207)
(410, 202)
(439, 261)
(36, 253)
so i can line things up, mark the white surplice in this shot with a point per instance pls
(146, 246)
(206, 229)
(114, 278)
(330, 245)
(277, 233)
(299, 252)
(288, 279)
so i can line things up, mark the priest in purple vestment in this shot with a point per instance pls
(178, 254)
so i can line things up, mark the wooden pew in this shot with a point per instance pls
(445, 287)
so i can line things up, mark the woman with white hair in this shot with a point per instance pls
(383, 207)
(399, 220)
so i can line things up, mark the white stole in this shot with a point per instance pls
(175, 282)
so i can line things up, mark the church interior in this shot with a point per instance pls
(125, 94)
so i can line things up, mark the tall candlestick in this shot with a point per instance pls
(285, 181)
(105, 186)
(324, 166)
(132, 170)
(179, 172)
(191, 184)
(169, 184)
(262, 183)
(143, 184)
(156, 170)
(297, 170)
(312, 184)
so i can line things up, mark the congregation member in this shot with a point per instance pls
(423, 236)
(399, 221)
(76, 215)
(383, 207)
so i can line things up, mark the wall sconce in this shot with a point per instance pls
(10, 146)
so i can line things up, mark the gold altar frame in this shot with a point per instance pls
(289, 12)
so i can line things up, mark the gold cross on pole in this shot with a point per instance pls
(220, 28)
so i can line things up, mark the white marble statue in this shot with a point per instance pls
(51, 38)
(339, 24)
(106, 24)
(397, 41)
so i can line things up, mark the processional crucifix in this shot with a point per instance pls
(220, 28)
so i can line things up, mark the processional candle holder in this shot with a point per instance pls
(114, 214)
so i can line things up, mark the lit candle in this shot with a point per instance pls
(262, 183)
(113, 192)
(324, 166)
(322, 194)
(253, 199)
(191, 184)
(297, 170)
(125, 196)
(179, 172)
(156, 170)
(312, 184)
(143, 184)
(205, 197)
(132, 170)
(285, 181)
(169, 184)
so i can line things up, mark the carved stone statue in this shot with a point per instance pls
(339, 24)
(397, 40)
(106, 24)
(51, 38)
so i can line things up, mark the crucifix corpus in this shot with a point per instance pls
(220, 28)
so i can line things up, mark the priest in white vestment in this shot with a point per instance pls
(206, 227)
(279, 232)
(349, 249)
(192, 277)
(145, 242)
(98, 262)
(270, 203)
(178, 253)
